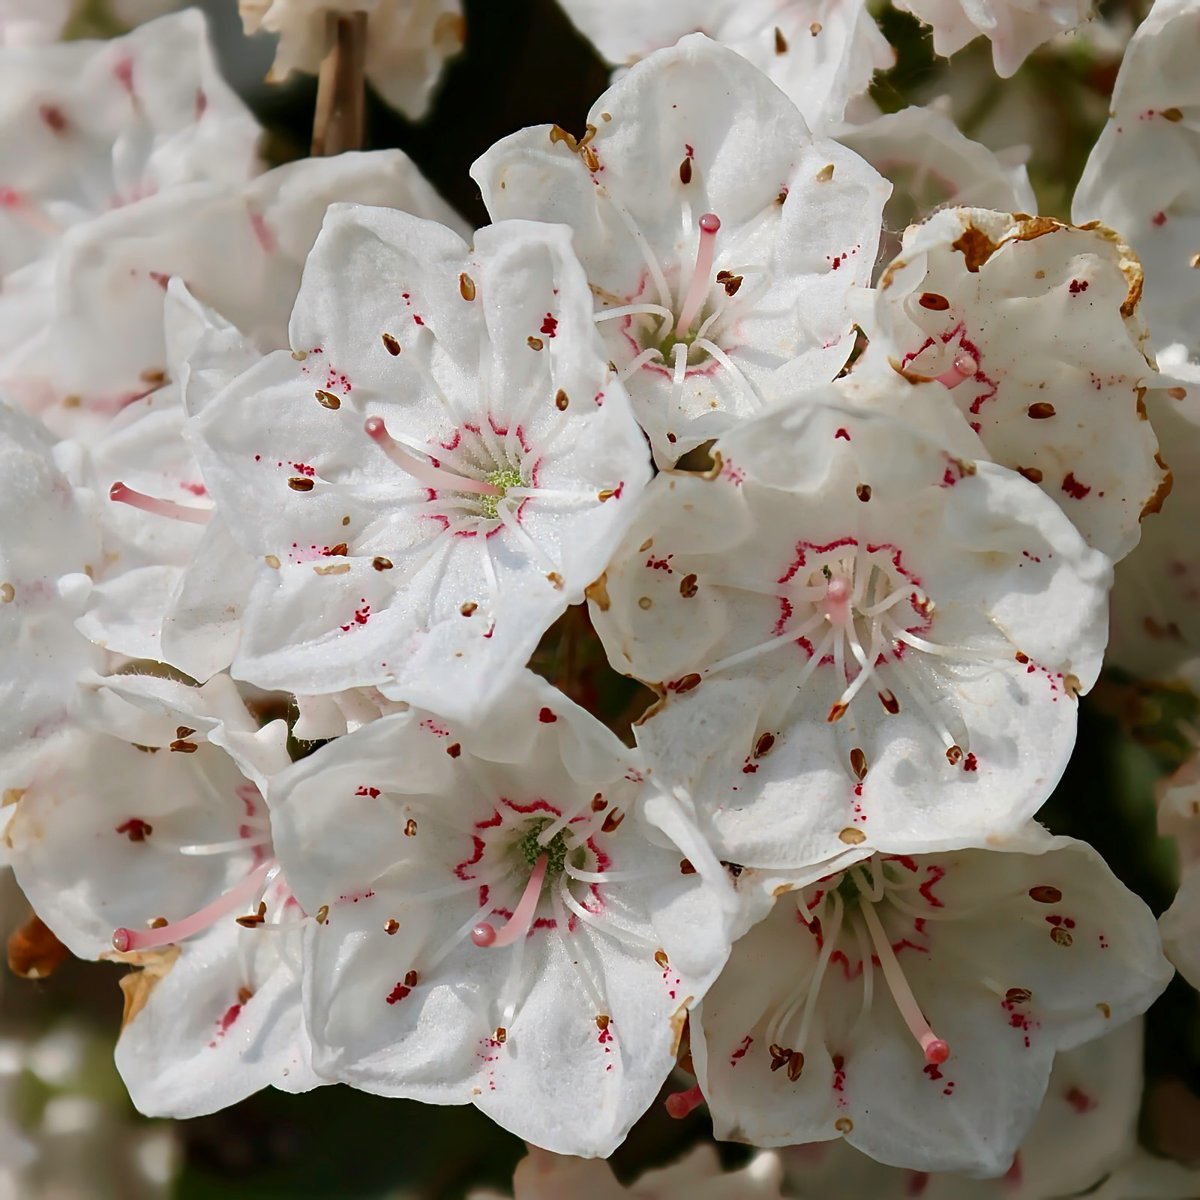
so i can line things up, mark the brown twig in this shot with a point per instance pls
(338, 120)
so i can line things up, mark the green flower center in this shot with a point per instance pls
(530, 850)
(502, 478)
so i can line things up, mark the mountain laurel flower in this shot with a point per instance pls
(439, 467)
(913, 1005)
(722, 241)
(507, 916)
(158, 853)
(1032, 326)
(860, 640)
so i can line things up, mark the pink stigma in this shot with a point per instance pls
(963, 367)
(936, 1051)
(679, 1104)
(837, 600)
(701, 281)
(162, 508)
(125, 940)
(421, 469)
(517, 926)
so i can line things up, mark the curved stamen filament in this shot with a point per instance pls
(634, 310)
(125, 940)
(421, 469)
(517, 926)
(936, 1051)
(693, 299)
(123, 494)
(206, 848)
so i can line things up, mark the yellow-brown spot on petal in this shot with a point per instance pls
(327, 399)
(644, 602)
(556, 579)
(843, 1125)
(1171, 114)
(137, 986)
(597, 593)
(852, 836)
(975, 246)
(1165, 485)
(825, 174)
(466, 286)
(8, 593)
(1105, 1011)
(300, 483)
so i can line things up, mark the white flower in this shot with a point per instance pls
(499, 924)
(1087, 1125)
(820, 53)
(1032, 326)
(722, 241)
(408, 41)
(436, 471)
(147, 853)
(543, 1176)
(989, 962)
(1179, 817)
(1144, 172)
(49, 549)
(861, 639)
(1014, 27)
(28, 22)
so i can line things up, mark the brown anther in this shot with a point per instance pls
(1021, 657)
(390, 344)
(863, 492)
(686, 868)
(852, 836)
(734, 869)
(934, 301)
(556, 579)
(534, 343)
(333, 569)
(954, 755)
(1171, 114)
(466, 286)
(158, 923)
(345, 521)
(599, 804)
(341, 550)
(843, 1125)
(1060, 936)
(272, 561)
(410, 828)
(299, 355)
(858, 763)
(1040, 411)
(1072, 685)
(561, 400)
(825, 174)
(644, 602)
(731, 284)
(685, 171)
(688, 587)
(1018, 995)
(646, 545)
(300, 483)
(687, 683)
(837, 710)
(454, 749)
(390, 926)
(327, 399)
(180, 746)
(591, 159)
(245, 995)
(795, 1065)
(322, 914)
(602, 1020)
(410, 979)
(182, 731)
(1105, 1011)
(815, 28)
(251, 920)
(8, 593)
(1033, 474)
(780, 1055)
(500, 1036)
(381, 564)
(660, 957)
(1045, 893)
(764, 744)
(606, 494)
(780, 41)
(613, 819)
(1194, 263)
(888, 699)
(468, 608)
(154, 378)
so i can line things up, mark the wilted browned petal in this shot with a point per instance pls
(33, 951)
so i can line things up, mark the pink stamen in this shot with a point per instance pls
(963, 367)
(421, 470)
(679, 1104)
(936, 1051)
(125, 940)
(693, 301)
(837, 600)
(163, 508)
(517, 926)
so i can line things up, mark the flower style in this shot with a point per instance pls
(1014, 27)
(499, 923)
(989, 961)
(861, 639)
(146, 853)
(1142, 176)
(50, 547)
(407, 46)
(436, 471)
(723, 243)
(1032, 326)
(821, 53)
(542, 1176)
(1086, 1127)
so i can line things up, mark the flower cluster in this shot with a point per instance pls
(501, 667)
